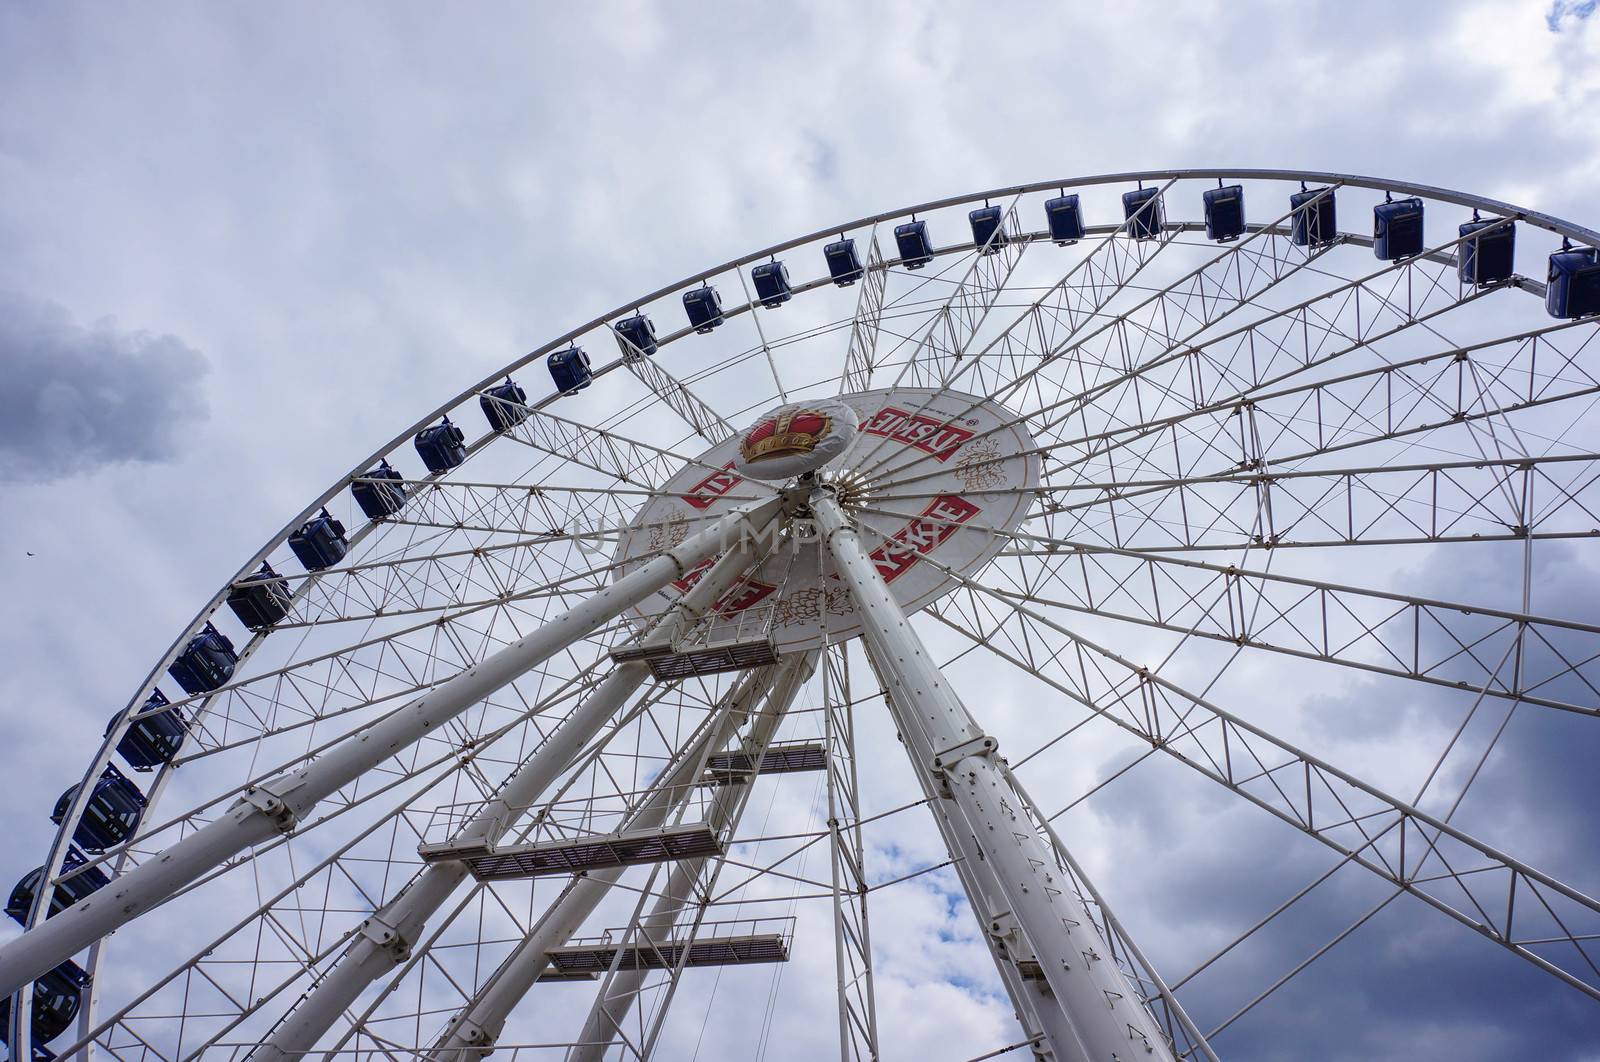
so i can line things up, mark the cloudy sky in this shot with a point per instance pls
(219, 224)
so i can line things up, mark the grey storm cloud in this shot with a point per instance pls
(77, 398)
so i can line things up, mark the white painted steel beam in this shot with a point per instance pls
(276, 807)
(472, 1032)
(385, 939)
(1042, 1020)
(1103, 1013)
(618, 992)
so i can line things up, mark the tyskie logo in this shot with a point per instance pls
(942, 518)
(932, 436)
(705, 493)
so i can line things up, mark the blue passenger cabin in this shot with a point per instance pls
(205, 663)
(1224, 206)
(153, 740)
(1142, 209)
(1397, 229)
(640, 332)
(83, 884)
(320, 542)
(988, 224)
(704, 307)
(1314, 221)
(569, 369)
(110, 815)
(504, 405)
(1065, 215)
(772, 283)
(442, 446)
(844, 265)
(261, 600)
(57, 996)
(912, 239)
(1574, 283)
(380, 492)
(1489, 256)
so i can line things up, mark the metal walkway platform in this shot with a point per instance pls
(624, 848)
(733, 768)
(588, 961)
(668, 663)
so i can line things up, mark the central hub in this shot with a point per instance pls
(933, 480)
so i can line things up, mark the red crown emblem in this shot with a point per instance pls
(792, 431)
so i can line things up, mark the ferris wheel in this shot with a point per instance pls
(577, 713)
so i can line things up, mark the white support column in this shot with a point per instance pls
(1103, 1012)
(472, 1032)
(384, 939)
(277, 806)
(1036, 1007)
(617, 993)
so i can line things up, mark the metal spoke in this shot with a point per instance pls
(861, 355)
(943, 341)
(1445, 643)
(674, 394)
(625, 460)
(1197, 373)
(1422, 394)
(1448, 501)
(371, 818)
(1169, 322)
(1453, 872)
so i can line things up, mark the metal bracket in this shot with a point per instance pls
(386, 937)
(982, 745)
(272, 806)
(1008, 935)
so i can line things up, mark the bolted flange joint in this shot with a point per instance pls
(387, 938)
(272, 806)
(982, 745)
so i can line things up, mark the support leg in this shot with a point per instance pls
(275, 807)
(620, 989)
(472, 1032)
(385, 939)
(1102, 1009)
(1041, 1018)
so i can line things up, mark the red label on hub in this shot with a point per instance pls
(714, 486)
(926, 434)
(942, 518)
(745, 592)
